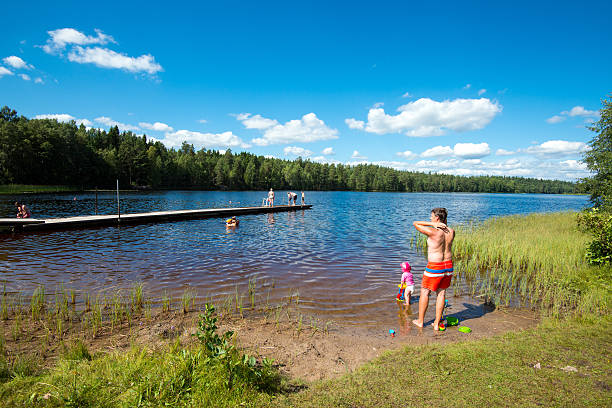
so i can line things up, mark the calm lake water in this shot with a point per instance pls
(343, 256)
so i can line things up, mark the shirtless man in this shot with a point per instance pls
(271, 198)
(439, 270)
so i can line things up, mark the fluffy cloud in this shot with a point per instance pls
(208, 140)
(355, 124)
(357, 155)
(580, 111)
(471, 150)
(481, 91)
(307, 129)
(105, 58)
(438, 151)
(462, 150)
(467, 86)
(157, 126)
(557, 148)
(573, 165)
(203, 121)
(16, 62)
(555, 119)
(426, 117)
(4, 71)
(328, 151)
(39, 81)
(25, 77)
(58, 39)
(109, 122)
(504, 152)
(296, 151)
(407, 154)
(575, 111)
(64, 117)
(407, 95)
(256, 121)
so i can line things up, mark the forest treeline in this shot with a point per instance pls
(44, 151)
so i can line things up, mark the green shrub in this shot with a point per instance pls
(599, 224)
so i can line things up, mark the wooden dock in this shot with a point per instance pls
(86, 221)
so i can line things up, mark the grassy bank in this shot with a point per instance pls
(29, 188)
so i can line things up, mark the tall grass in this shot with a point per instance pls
(536, 259)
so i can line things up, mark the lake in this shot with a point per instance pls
(343, 256)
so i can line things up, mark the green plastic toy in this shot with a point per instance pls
(464, 329)
(452, 321)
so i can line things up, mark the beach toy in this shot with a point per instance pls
(400, 294)
(392, 332)
(445, 303)
(464, 329)
(452, 321)
(441, 326)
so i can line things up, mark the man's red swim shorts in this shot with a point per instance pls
(437, 275)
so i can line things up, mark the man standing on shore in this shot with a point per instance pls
(439, 270)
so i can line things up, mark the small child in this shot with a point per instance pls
(407, 282)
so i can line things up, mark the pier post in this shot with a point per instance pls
(118, 207)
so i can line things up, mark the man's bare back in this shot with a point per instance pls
(439, 244)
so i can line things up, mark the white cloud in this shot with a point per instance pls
(307, 129)
(355, 124)
(357, 155)
(378, 105)
(467, 86)
(64, 36)
(471, 150)
(437, 151)
(573, 165)
(65, 118)
(203, 121)
(296, 151)
(407, 95)
(504, 152)
(157, 126)
(16, 62)
(472, 162)
(4, 71)
(256, 121)
(481, 91)
(557, 148)
(109, 122)
(555, 119)
(426, 117)
(580, 111)
(105, 58)
(462, 150)
(39, 81)
(328, 151)
(407, 154)
(25, 77)
(575, 111)
(207, 140)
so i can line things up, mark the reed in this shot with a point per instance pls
(187, 299)
(38, 302)
(166, 301)
(137, 297)
(536, 259)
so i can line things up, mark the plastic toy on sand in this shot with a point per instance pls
(452, 321)
(464, 329)
(392, 332)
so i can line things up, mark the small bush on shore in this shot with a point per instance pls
(599, 224)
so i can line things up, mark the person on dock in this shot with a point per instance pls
(271, 198)
(22, 210)
(291, 197)
(439, 270)
(302, 198)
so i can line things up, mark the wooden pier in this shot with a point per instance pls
(86, 221)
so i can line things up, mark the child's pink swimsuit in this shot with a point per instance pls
(408, 280)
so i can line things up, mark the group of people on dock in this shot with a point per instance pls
(22, 210)
(291, 198)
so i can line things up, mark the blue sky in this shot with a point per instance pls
(455, 87)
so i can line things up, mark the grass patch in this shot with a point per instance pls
(31, 188)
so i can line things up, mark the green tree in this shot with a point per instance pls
(599, 158)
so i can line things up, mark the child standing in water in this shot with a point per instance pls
(407, 282)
